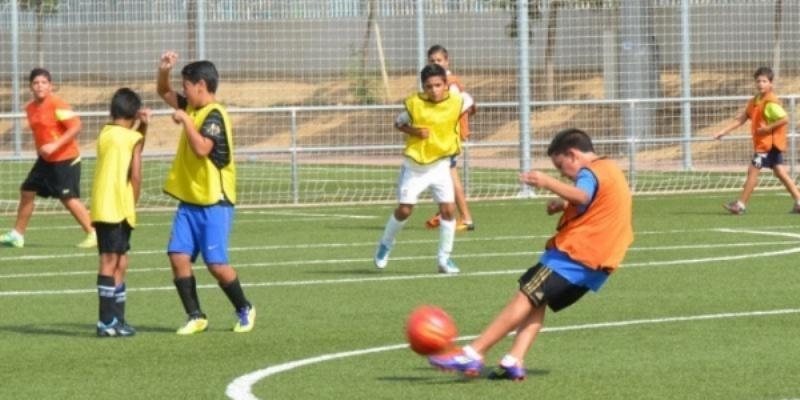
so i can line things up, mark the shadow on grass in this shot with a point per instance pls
(438, 377)
(73, 329)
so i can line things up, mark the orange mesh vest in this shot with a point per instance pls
(599, 237)
(755, 111)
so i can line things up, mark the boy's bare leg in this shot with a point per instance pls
(780, 172)
(518, 310)
(749, 184)
(527, 332)
(461, 198)
(79, 211)
(24, 211)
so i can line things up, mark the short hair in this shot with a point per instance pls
(125, 104)
(437, 48)
(571, 138)
(36, 72)
(432, 70)
(764, 71)
(202, 71)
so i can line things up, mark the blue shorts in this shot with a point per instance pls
(202, 230)
(767, 160)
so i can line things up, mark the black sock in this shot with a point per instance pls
(187, 291)
(233, 290)
(105, 294)
(119, 302)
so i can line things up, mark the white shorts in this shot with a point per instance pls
(415, 178)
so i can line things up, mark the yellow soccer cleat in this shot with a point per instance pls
(194, 325)
(90, 242)
(13, 239)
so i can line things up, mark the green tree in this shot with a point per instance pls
(41, 8)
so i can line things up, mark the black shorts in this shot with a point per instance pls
(771, 159)
(61, 179)
(542, 286)
(113, 238)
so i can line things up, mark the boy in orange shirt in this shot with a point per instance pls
(592, 237)
(438, 55)
(57, 171)
(768, 125)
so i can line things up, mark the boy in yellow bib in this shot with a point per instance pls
(115, 191)
(203, 179)
(431, 125)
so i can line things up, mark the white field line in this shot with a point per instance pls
(412, 277)
(241, 387)
(294, 263)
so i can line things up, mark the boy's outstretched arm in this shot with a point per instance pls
(738, 121)
(164, 89)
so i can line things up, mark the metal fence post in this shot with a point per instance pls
(293, 156)
(524, 95)
(632, 149)
(792, 135)
(15, 89)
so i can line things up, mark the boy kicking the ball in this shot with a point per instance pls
(591, 239)
(115, 191)
(203, 179)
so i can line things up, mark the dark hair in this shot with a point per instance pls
(437, 48)
(432, 70)
(202, 71)
(571, 138)
(39, 72)
(125, 104)
(764, 71)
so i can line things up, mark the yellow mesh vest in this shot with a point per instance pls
(112, 192)
(194, 179)
(442, 121)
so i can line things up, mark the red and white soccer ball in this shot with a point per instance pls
(430, 330)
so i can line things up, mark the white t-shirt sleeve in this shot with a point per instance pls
(402, 119)
(468, 102)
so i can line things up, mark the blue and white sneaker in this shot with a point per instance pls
(382, 256)
(448, 267)
(458, 362)
(246, 319)
(114, 329)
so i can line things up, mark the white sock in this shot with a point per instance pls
(471, 353)
(447, 234)
(509, 361)
(15, 233)
(393, 227)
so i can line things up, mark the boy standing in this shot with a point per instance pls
(592, 236)
(768, 126)
(438, 55)
(115, 191)
(203, 180)
(57, 171)
(431, 123)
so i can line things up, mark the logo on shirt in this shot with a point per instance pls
(213, 129)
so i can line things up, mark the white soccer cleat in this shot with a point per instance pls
(382, 256)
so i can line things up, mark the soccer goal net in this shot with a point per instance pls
(313, 86)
